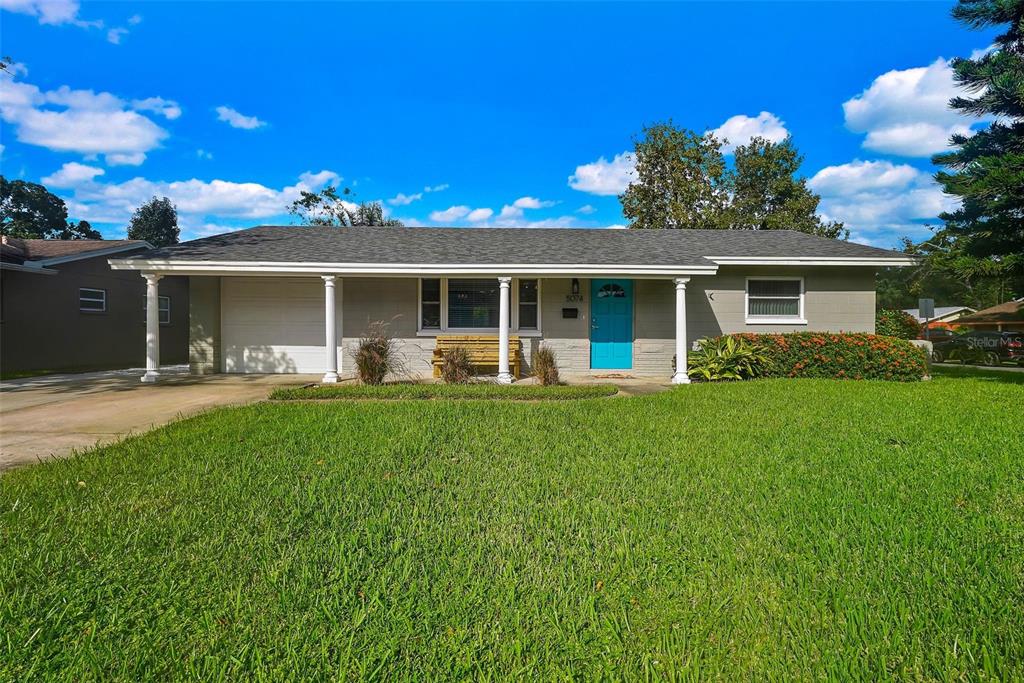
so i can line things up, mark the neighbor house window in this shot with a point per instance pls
(430, 304)
(92, 300)
(163, 306)
(775, 300)
(528, 304)
(473, 303)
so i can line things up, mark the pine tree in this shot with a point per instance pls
(987, 169)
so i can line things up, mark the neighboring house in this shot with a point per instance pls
(296, 299)
(63, 308)
(944, 315)
(1007, 317)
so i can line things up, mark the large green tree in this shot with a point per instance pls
(683, 181)
(768, 193)
(30, 211)
(156, 221)
(986, 170)
(329, 208)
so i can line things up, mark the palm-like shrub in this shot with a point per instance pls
(377, 354)
(545, 366)
(456, 367)
(727, 358)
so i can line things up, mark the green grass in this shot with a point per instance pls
(783, 529)
(489, 391)
(981, 374)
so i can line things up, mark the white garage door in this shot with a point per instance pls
(271, 324)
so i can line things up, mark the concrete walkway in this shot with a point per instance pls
(54, 415)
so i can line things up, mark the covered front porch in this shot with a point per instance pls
(608, 324)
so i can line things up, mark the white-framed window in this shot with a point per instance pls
(163, 306)
(92, 300)
(472, 305)
(775, 300)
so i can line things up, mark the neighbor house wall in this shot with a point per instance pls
(42, 328)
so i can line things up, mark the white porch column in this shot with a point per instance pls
(504, 376)
(680, 377)
(152, 327)
(331, 332)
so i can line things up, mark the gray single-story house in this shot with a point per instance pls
(279, 299)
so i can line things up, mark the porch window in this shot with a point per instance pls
(92, 300)
(528, 304)
(473, 303)
(772, 300)
(430, 304)
(163, 307)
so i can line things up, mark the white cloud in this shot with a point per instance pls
(586, 210)
(741, 129)
(479, 215)
(436, 188)
(169, 109)
(81, 121)
(879, 200)
(531, 203)
(235, 119)
(199, 202)
(452, 213)
(203, 154)
(405, 199)
(906, 112)
(135, 20)
(603, 177)
(52, 12)
(114, 35)
(72, 174)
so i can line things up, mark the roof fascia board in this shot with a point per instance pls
(384, 269)
(107, 251)
(27, 269)
(814, 260)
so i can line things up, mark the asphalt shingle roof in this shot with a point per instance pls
(491, 246)
(40, 250)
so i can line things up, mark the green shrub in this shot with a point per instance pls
(545, 367)
(456, 367)
(377, 355)
(842, 356)
(899, 324)
(727, 358)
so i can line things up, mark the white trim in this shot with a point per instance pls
(444, 329)
(813, 260)
(799, 319)
(106, 251)
(407, 269)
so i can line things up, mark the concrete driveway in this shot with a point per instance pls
(52, 416)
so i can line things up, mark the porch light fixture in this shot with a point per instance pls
(575, 286)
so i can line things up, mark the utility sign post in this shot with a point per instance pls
(926, 309)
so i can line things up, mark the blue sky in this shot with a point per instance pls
(466, 114)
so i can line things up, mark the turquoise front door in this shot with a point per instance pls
(611, 324)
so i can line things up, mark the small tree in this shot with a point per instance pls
(329, 208)
(156, 221)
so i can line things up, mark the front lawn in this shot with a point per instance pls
(763, 530)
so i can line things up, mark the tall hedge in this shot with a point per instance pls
(843, 356)
(894, 323)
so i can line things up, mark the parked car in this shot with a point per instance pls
(988, 348)
(937, 334)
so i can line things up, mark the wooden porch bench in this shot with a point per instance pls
(482, 351)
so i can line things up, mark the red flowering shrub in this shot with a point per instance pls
(840, 355)
(899, 324)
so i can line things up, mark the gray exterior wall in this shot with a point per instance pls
(836, 299)
(42, 328)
